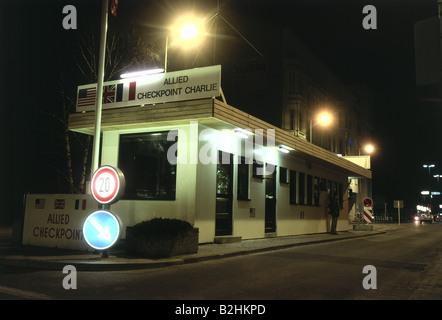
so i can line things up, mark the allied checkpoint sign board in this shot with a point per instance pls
(56, 220)
(198, 83)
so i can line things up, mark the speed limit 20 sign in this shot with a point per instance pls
(107, 184)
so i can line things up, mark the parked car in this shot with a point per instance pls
(426, 217)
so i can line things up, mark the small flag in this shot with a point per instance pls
(86, 97)
(59, 204)
(114, 6)
(119, 96)
(132, 88)
(83, 204)
(113, 93)
(39, 203)
(109, 94)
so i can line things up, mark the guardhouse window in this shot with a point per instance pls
(301, 188)
(309, 190)
(243, 179)
(258, 170)
(293, 187)
(283, 175)
(316, 191)
(143, 160)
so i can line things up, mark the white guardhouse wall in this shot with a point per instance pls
(248, 217)
(132, 212)
(196, 187)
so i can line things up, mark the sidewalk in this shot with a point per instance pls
(56, 259)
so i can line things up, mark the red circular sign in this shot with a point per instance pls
(367, 202)
(107, 184)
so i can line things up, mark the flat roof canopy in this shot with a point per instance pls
(212, 113)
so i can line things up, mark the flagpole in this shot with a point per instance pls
(99, 95)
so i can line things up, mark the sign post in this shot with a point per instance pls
(368, 209)
(398, 204)
(101, 228)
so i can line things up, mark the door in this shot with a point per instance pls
(270, 202)
(224, 194)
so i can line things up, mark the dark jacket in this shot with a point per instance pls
(334, 207)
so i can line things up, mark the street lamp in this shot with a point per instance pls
(324, 118)
(368, 149)
(187, 32)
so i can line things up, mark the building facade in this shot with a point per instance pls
(223, 184)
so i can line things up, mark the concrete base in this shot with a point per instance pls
(362, 227)
(227, 239)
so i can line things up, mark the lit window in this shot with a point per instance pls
(148, 173)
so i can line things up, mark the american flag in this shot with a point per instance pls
(39, 203)
(86, 97)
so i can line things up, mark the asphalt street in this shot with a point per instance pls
(407, 263)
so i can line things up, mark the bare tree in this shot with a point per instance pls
(126, 49)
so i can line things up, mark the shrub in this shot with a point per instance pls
(158, 228)
(160, 238)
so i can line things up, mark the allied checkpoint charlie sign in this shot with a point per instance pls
(198, 83)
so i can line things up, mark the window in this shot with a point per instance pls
(258, 170)
(243, 179)
(316, 191)
(309, 190)
(301, 177)
(292, 119)
(283, 175)
(292, 187)
(143, 160)
(323, 184)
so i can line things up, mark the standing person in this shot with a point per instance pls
(334, 212)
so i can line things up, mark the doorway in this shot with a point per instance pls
(224, 194)
(270, 202)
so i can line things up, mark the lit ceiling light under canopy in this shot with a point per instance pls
(283, 150)
(242, 133)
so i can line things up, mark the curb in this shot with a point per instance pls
(97, 264)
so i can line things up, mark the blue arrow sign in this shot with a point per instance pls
(101, 230)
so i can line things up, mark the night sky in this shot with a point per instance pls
(407, 118)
